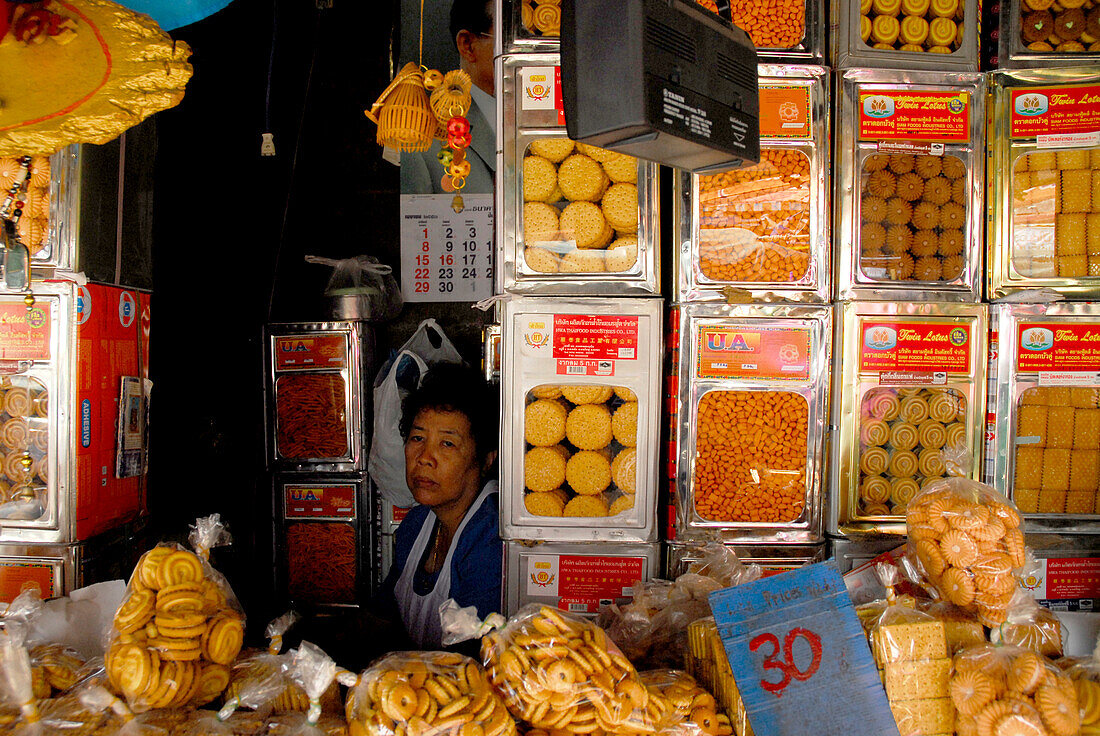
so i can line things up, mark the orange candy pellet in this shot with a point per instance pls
(750, 461)
(771, 24)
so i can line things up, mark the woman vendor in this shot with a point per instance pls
(448, 545)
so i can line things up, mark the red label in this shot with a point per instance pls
(15, 576)
(573, 367)
(315, 351)
(595, 338)
(1047, 346)
(784, 111)
(914, 115)
(1069, 577)
(399, 513)
(24, 335)
(915, 347)
(585, 580)
(315, 502)
(779, 353)
(1055, 110)
(559, 105)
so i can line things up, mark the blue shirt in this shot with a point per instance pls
(477, 566)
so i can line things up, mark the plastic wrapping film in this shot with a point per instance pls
(1006, 689)
(909, 183)
(1038, 34)
(918, 374)
(426, 693)
(969, 542)
(689, 709)
(750, 456)
(652, 630)
(761, 230)
(905, 34)
(559, 672)
(573, 219)
(1085, 675)
(1047, 429)
(580, 406)
(178, 628)
(1044, 228)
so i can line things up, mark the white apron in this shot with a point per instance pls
(420, 613)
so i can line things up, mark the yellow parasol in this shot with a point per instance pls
(81, 71)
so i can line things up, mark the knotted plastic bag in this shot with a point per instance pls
(370, 283)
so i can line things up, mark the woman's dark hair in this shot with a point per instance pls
(472, 16)
(457, 388)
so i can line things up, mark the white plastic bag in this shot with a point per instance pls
(428, 346)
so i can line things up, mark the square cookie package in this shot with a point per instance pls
(1042, 33)
(525, 26)
(750, 437)
(1044, 212)
(571, 218)
(905, 34)
(763, 230)
(1046, 428)
(915, 398)
(909, 183)
(581, 404)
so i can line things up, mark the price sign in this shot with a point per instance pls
(446, 256)
(794, 642)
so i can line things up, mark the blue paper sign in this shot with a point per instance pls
(799, 656)
(171, 14)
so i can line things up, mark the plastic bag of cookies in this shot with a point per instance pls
(689, 710)
(1029, 626)
(1010, 690)
(113, 716)
(968, 541)
(426, 694)
(1086, 681)
(314, 673)
(179, 628)
(562, 673)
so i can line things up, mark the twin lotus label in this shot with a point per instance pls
(1063, 110)
(1047, 346)
(915, 347)
(915, 115)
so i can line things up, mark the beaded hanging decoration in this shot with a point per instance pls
(11, 209)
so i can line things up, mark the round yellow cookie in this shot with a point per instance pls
(539, 179)
(543, 469)
(583, 223)
(581, 178)
(622, 254)
(620, 207)
(586, 394)
(541, 260)
(540, 223)
(588, 427)
(544, 422)
(588, 473)
(624, 424)
(623, 503)
(586, 506)
(582, 261)
(624, 470)
(621, 169)
(544, 503)
(552, 149)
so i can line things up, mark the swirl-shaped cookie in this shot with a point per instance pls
(179, 567)
(903, 436)
(932, 435)
(17, 402)
(874, 461)
(903, 464)
(874, 432)
(942, 406)
(222, 641)
(875, 489)
(914, 409)
(902, 491)
(883, 405)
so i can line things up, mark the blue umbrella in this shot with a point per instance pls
(171, 14)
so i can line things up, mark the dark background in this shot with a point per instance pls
(230, 232)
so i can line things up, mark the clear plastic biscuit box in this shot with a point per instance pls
(571, 218)
(905, 34)
(580, 407)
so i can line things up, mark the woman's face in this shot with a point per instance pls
(441, 465)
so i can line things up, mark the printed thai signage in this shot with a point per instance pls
(785, 111)
(310, 352)
(24, 333)
(921, 347)
(914, 115)
(1061, 110)
(1058, 346)
(320, 501)
(776, 353)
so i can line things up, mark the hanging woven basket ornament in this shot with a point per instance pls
(403, 113)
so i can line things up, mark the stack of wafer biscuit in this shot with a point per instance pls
(176, 633)
(580, 212)
(707, 662)
(912, 659)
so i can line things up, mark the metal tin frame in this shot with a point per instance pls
(852, 282)
(356, 397)
(517, 128)
(844, 518)
(517, 562)
(816, 284)
(1003, 277)
(522, 370)
(58, 523)
(490, 353)
(849, 49)
(510, 36)
(773, 558)
(1011, 383)
(807, 529)
(1013, 54)
(359, 520)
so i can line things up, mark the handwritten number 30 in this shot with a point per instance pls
(786, 666)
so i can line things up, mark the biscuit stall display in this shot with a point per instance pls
(1043, 33)
(905, 34)
(761, 230)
